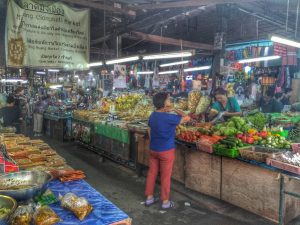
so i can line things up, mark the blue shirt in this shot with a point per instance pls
(163, 131)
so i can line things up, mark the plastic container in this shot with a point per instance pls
(257, 154)
(284, 133)
(231, 153)
(205, 146)
(283, 166)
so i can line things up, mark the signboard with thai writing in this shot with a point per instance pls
(46, 34)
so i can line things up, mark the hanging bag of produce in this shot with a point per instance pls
(202, 105)
(193, 100)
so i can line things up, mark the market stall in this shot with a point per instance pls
(60, 195)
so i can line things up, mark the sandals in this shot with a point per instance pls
(151, 201)
(168, 205)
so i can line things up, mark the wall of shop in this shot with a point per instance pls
(2, 31)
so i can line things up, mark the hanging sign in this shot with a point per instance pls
(46, 34)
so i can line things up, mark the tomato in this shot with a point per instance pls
(244, 139)
(250, 140)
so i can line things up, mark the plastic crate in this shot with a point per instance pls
(283, 166)
(231, 153)
(257, 154)
(295, 147)
(205, 146)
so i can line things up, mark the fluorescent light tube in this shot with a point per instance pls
(144, 72)
(168, 55)
(197, 68)
(174, 63)
(14, 81)
(122, 60)
(266, 58)
(168, 72)
(40, 72)
(55, 86)
(285, 41)
(95, 64)
(53, 70)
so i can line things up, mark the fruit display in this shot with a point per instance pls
(127, 102)
(182, 104)
(143, 111)
(92, 115)
(193, 100)
(275, 142)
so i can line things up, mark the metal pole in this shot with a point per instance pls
(297, 16)
(287, 15)
(281, 201)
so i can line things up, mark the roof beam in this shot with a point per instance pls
(105, 7)
(167, 41)
(187, 3)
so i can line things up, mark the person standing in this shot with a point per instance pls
(162, 130)
(11, 114)
(22, 103)
(38, 116)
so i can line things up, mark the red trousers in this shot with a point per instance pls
(160, 162)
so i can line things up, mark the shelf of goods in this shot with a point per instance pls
(32, 157)
(228, 162)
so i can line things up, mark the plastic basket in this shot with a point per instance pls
(205, 146)
(257, 154)
(231, 153)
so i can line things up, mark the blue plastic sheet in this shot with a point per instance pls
(104, 212)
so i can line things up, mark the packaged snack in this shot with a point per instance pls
(37, 157)
(18, 154)
(44, 215)
(56, 163)
(22, 216)
(79, 206)
(47, 198)
(48, 152)
(23, 161)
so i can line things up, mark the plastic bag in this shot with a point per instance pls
(47, 198)
(203, 105)
(44, 215)
(78, 205)
(22, 216)
(193, 99)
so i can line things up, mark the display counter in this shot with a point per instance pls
(57, 127)
(248, 185)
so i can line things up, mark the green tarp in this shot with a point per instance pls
(112, 132)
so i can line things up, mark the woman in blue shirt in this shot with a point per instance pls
(162, 131)
(224, 104)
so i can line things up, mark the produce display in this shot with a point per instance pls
(127, 102)
(257, 120)
(193, 100)
(289, 158)
(234, 126)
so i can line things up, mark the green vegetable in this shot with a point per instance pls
(259, 120)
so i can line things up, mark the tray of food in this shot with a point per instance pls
(258, 154)
(287, 161)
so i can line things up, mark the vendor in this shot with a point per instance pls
(11, 115)
(269, 104)
(224, 104)
(285, 98)
(162, 131)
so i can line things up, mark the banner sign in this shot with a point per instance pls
(45, 34)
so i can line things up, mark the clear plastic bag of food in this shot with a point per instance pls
(203, 104)
(193, 100)
(78, 205)
(44, 215)
(22, 216)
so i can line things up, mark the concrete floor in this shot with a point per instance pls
(125, 189)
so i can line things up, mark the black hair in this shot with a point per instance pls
(278, 95)
(287, 90)
(10, 99)
(220, 91)
(159, 100)
(270, 92)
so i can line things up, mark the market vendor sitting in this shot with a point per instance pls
(228, 106)
(270, 104)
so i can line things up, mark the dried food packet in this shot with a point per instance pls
(44, 215)
(78, 205)
(22, 216)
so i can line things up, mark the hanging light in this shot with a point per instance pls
(144, 72)
(53, 70)
(168, 72)
(174, 63)
(40, 72)
(170, 55)
(197, 68)
(95, 64)
(122, 60)
(266, 58)
(285, 41)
